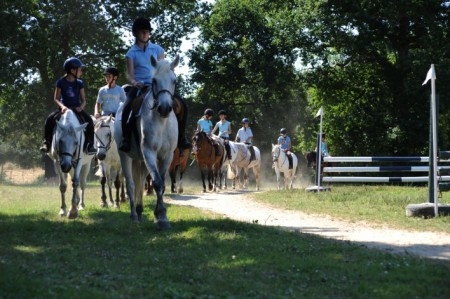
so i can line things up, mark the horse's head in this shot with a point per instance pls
(68, 142)
(104, 135)
(276, 150)
(164, 80)
(197, 140)
(311, 159)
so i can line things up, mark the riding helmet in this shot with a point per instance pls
(141, 24)
(209, 112)
(111, 70)
(222, 112)
(72, 63)
(245, 121)
(283, 131)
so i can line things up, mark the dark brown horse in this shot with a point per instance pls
(208, 161)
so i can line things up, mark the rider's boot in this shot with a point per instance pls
(228, 149)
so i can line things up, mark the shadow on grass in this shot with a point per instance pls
(102, 254)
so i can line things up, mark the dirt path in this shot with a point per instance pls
(235, 205)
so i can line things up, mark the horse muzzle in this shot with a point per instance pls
(164, 110)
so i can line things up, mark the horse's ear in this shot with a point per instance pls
(174, 63)
(153, 61)
(109, 118)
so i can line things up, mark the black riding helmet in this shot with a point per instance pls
(72, 63)
(245, 121)
(283, 131)
(141, 24)
(209, 112)
(111, 70)
(222, 112)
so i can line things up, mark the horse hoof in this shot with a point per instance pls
(73, 215)
(163, 224)
(103, 205)
(62, 213)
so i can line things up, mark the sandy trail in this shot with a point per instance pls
(235, 205)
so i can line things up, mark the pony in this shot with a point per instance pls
(241, 161)
(109, 169)
(178, 166)
(208, 162)
(153, 144)
(69, 158)
(281, 164)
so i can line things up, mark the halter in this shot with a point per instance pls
(156, 96)
(108, 145)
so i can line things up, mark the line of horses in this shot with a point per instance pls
(154, 152)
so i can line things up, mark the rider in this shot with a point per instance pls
(245, 135)
(224, 127)
(109, 96)
(69, 94)
(139, 73)
(285, 144)
(204, 124)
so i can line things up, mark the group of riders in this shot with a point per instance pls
(70, 94)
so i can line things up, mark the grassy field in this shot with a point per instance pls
(103, 255)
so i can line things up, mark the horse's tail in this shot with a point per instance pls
(231, 175)
(99, 172)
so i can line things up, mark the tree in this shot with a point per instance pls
(37, 36)
(240, 67)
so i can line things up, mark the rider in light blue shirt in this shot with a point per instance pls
(204, 124)
(109, 96)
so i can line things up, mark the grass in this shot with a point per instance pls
(103, 255)
(378, 205)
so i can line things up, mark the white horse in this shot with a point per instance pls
(281, 164)
(109, 169)
(240, 160)
(69, 158)
(152, 152)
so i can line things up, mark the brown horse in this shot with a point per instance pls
(178, 165)
(208, 161)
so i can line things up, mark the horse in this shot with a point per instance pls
(241, 160)
(311, 158)
(69, 158)
(208, 162)
(109, 169)
(281, 164)
(153, 144)
(178, 166)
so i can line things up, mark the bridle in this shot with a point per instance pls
(108, 144)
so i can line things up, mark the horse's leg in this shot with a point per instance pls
(173, 179)
(256, 172)
(210, 178)
(83, 182)
(203, 174)
(158, 176)
(62, 190)
(73, 213)
(180, 183)
(127, 166)
(139, 175)
(245, 186)
(103, 203)
(117, 186)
